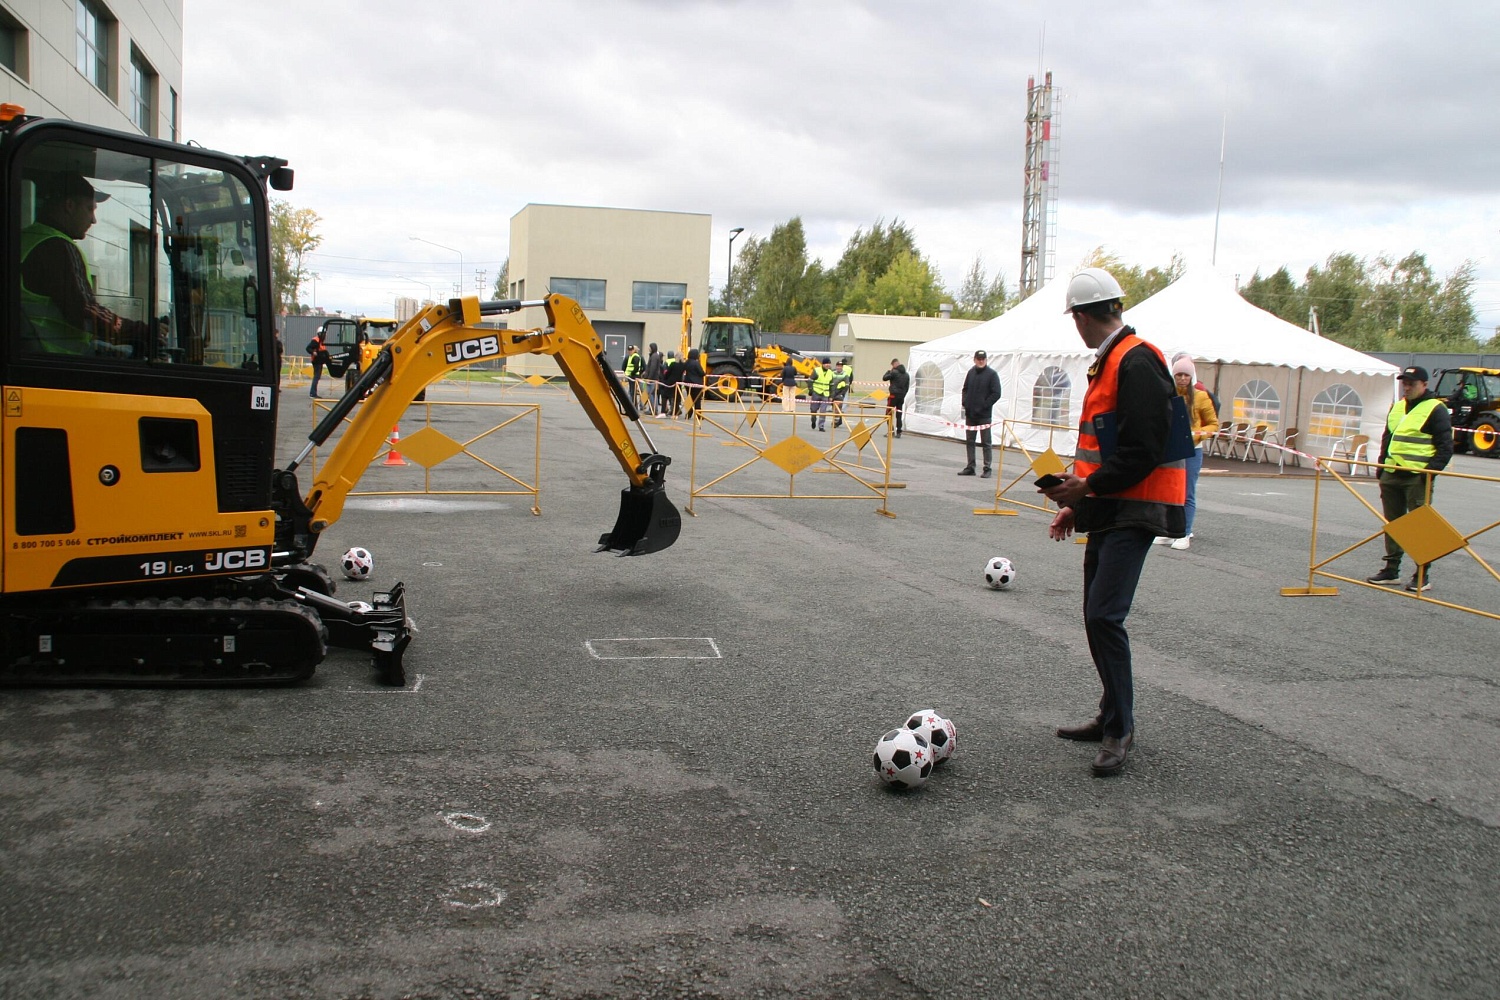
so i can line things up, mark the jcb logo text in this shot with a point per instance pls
(234, 559)
(469, 350)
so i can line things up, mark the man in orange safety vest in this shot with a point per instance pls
(1127, 487)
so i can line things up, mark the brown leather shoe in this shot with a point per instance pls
(1090, 732)
(1112, 754)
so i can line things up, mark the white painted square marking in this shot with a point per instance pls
(672, 647)
(416, 686)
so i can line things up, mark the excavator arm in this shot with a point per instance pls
(441, 339)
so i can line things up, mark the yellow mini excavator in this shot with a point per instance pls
(148, 536)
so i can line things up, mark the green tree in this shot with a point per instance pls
(873, 251)
(1278, 295)
(907, 288)
(293, 236)
(785, 284)
(980, 297)
(1379, 305)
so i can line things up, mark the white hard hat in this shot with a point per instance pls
(1092, 284)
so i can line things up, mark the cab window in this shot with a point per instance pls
(130, 259)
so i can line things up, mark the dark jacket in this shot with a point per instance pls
(654, 366)
(901, 382)
(692, 372)
(672, 373)
(1439, 424)
(1143, 422)
(981, 393)
(789, 373)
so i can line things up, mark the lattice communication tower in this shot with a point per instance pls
(1039, 203)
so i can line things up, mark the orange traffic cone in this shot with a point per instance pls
(393, 457)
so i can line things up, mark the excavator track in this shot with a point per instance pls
(162, 641)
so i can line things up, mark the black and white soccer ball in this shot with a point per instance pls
(999, 573)
(903, 758)
(357, 563)
(939, 732)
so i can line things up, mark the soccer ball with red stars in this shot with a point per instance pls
(903, 758)
(939, 733)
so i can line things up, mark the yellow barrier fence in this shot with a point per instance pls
(1037, 464)
(1424, 534)
(783, 446)
(428, 446)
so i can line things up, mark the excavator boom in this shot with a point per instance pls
(444, 338)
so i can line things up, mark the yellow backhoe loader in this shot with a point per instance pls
(736, 360)
(146, 534)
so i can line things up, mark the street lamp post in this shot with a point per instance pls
(458, 288)
(729, 280)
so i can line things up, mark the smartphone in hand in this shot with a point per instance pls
(1048, 481)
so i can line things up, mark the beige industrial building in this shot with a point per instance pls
(629, 269)
(117, 64)
(873, 340)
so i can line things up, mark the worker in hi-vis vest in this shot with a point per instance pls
(1418, 440)
(819, 393)
(61, 314)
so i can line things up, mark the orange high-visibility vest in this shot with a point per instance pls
(1167, 483)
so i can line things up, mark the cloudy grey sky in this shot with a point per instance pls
(1369, 126)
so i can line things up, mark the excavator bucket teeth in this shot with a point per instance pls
(648, 522)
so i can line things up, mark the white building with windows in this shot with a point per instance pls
(629, 269)
(114, 63)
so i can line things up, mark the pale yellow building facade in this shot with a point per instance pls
(629, 269)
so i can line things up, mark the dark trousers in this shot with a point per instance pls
(984, 439)
(1112, 562)
(892, 403)
(1401, 494)
(818, 407)
(317, 374)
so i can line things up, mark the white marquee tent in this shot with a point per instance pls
(1263, 369)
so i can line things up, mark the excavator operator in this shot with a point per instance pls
(57, 284)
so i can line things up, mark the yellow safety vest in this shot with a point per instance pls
(55, 334)
(822, 383)
(1410, 448)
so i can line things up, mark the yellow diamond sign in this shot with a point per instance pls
(1425, 535)
(535, 380)
(428, 447)
(1048, 463)
(860, 434)
(792, 454)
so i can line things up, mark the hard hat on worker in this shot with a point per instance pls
(1091, 285)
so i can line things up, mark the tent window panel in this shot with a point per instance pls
(927, 390)
(1256, 402)
(1336, 413)
(1051, 396)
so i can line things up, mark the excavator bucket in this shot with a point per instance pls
(648, 522)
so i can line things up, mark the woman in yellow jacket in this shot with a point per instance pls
(1205, 424)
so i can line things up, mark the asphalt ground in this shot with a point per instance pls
(1310, 809)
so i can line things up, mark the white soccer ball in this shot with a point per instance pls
(999, 573)
(939, 733)
(358, 563)
(903, 758)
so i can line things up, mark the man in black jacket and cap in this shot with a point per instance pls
(981, 393)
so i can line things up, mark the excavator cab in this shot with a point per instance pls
(138, 358)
